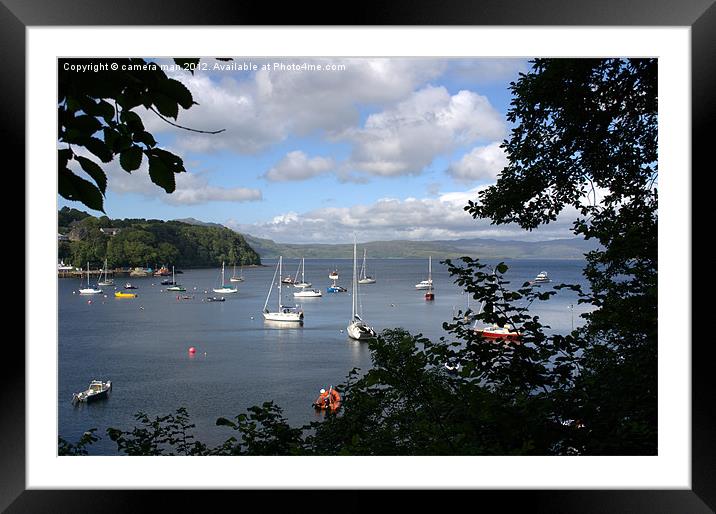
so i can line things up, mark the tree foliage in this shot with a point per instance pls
(141, 242)
(98, 117)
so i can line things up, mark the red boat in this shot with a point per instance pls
(497, 332)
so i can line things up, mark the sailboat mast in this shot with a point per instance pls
(222, 273)
(268, 296)
(280, 271)
(355, 281)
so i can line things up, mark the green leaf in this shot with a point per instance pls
(501, 268)
(165, 105)
(177, 91)
(225, 422)
(131, 158)
(132, 120)
(75, 188)
(99, 148)
(160, 174)
(84, 123)
(146, 138)
(93, 170)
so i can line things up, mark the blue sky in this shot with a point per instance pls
(384, 147)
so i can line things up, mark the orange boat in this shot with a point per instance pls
(328, 400)
(162, 272)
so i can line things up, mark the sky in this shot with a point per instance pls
(385, 148)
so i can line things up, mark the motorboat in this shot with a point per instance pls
(215, 299)
(129, 286)
(121, 294)
(96, 391)
(541, 278)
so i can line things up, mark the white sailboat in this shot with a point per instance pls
(175, 286)
(89, 289)
(240, 278)
(364, 278)
(357, 328)
(106, 281)
(301, 269)
(284, 313)
(427, 284)
(224, 289)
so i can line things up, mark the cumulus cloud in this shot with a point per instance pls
(393, 218)
(482, 163)
(192, 188)
(406, 138)
(298, 166)
(263, 108)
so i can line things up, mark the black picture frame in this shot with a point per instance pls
(699, 15)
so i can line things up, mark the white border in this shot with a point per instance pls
(671, 469)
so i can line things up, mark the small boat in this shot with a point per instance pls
(61, 266)
(357, 328)
(224, 289)
(138, 272)
(426, 284)
(541, 278)
(162, 272)
(106, 281)
(430, 295)
(96, 390)
(328, 400)
(284, 312)
(240, 278)
(129, 286)
(308, 293)
(215, 299)
(497, 332)
(333, 275)
(120, 294)
(167, 282)
(175, 287)
(335, 288)
(185, 297)
(302, 284)
(364, 278)
(89, 289)
(287, 280)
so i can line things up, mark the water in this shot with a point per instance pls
(141, 344)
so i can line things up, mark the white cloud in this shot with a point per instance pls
(482, 163)
(298, 166)
(392, 218)
(263, 108)
(406, 138)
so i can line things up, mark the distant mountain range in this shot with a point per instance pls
(573, 248)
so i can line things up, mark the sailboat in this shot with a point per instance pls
(89, 289)
(301, 269)
(426, 284)
(495, 331)
(240, 278)
(365, 279)
(107, 281)
(175, 287)
(357, 328)
(224, 289)
(284, 313)
(430, 296)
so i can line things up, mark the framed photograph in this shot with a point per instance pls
(345, 155)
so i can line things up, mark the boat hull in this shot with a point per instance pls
(293, 317)
(360, 331)
(367, 281)
(225, 290)
(90, 291)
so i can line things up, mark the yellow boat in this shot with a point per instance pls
(120, 294)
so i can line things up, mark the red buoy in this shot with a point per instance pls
(192, 350)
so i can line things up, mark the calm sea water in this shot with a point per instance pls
(142, 344)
